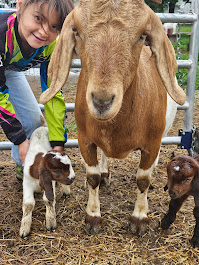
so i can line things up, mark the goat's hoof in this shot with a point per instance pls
(93, 224)
(24, 232)
(195, 241)
(51, 225)
(166, 222)
(138, 226)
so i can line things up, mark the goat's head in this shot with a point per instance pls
(110, 36)
(181, 171)
(55, 166)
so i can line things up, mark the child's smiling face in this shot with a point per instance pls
(37, 27)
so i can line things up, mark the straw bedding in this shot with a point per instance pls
(69, 244)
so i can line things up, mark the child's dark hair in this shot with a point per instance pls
(63, 7)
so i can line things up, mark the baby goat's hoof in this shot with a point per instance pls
(138, 226)
(50, 226)
(51, 222)
(195, 241)
(24, 231)
(93, 224)
(166, 222)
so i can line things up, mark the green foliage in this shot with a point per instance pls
(185, 29)
(185, 56)
(184, 42)
(72, 127)
(160, 8)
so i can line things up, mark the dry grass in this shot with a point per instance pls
(69, 243)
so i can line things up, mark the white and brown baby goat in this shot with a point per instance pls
(183, 181)
(42, 169)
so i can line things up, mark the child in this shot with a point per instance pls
(27, 38)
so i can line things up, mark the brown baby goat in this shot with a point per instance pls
(183, 180)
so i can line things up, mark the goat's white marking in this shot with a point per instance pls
(64, 160)
(141, 206)
(103, 163)
(92, 170)
(72, 173)
(93, 206)
(176, 168)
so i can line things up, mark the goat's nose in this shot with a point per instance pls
(102, 105)
(69, 181)
(172, 194)
(165, 187)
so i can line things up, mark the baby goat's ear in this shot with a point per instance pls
(45, 181)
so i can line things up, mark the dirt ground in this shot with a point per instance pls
(69, 243)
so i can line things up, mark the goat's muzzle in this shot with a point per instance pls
(69, 181)
(102, 105)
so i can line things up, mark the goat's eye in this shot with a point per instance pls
(76, 32)
(57, 171)
(187, 180)
(143, 36)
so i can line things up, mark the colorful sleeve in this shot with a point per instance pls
(9, 123)
(55, 109)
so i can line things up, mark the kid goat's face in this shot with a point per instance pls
(37, 27)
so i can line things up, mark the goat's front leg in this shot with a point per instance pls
(139, 219)
(174, 207)
(195, 239)
(51, 222)
(93, 216)
(28, 206)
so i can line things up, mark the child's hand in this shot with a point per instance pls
(23, 149)
(58, 148)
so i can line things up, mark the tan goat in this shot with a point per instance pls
(128, 66)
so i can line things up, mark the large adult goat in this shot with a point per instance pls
(128, 66)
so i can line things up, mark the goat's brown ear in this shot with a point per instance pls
(165, 58)
(60, 62)
(45, 182)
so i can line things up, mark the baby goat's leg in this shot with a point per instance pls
(51, 222)
(195, 239)
(28, 206)
(174, 206)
